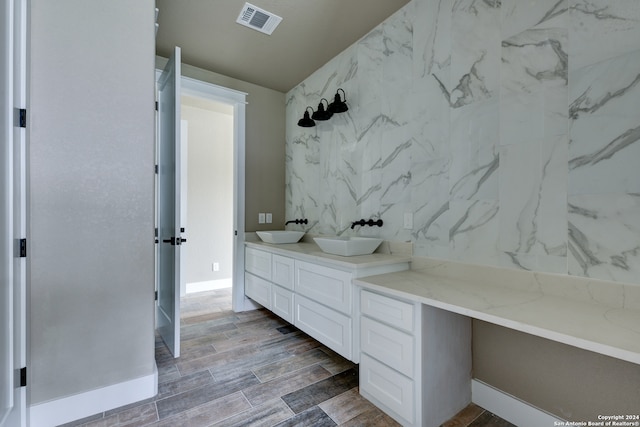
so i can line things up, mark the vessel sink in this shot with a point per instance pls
(348, 246)
(280, 236)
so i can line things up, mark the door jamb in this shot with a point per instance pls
(237, 100)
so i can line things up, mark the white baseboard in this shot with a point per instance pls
(78, 406)
(208, 285)
(509, 407)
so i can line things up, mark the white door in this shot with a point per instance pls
(12, 213)
(168, 205)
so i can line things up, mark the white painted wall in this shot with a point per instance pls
(210, 190)
(91, 200)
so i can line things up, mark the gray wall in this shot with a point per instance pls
(91, 157)
(265, 142)
(596, 384)
(504, 127)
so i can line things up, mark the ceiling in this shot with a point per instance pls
(310, 34)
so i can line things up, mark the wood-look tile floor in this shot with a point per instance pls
(254, 369)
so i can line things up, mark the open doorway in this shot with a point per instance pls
(208, 97)
(222, 100)
(207, 195)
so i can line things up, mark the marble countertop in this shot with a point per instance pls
(307, 251)
(605, 329)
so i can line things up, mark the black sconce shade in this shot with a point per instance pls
(322, 114)
(306, 121)
(338, 106)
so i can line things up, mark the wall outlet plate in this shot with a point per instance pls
(408, 221)
(269, 218)
(261, 218)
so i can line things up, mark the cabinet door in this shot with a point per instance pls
(327, 326)
(392, 390)
(388, 345)
(258, 290)
(388, 310)
(282, 271)
(282, 302)
(325, 285)
(258, 263)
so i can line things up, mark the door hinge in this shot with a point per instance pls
(156, 105)
(23, 248)
(22, 118)
(156, 296)
(23, 377)
(156, 169)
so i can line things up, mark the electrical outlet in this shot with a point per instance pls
(269, 218)
(261, 218)
(408, 221)
(216, 266)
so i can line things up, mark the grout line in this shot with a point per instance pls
(479, 415)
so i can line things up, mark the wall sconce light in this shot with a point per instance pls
(306, 121)
(338, 106)
(321, 114)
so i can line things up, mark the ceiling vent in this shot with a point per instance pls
(258, 19)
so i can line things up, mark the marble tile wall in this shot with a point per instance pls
(510, 130)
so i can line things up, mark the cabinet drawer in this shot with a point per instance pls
(258, 263)
(392, 389)
(388, 345)
(325, 285)
(282, 271)
(282, 302)
(388, 310)
(258, 290)
(327, 326)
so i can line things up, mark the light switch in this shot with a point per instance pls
(261, 218)
(269, 218)
(408, 221)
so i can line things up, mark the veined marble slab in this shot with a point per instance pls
(599, 317)
(507, 128)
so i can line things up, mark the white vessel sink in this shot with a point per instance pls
(348, 246)
(280, 236)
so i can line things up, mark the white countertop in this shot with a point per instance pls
(307, 251)
(598, 327)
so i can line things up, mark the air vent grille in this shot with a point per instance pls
(258, 19)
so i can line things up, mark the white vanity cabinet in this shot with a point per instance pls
(258, 263)
(282, 297)
(269, 281)
(323, 306)
(258, 290)
(257, 281)
(389, 363)
(414, 362)
(314, 293)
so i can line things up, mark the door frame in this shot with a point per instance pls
(14, 194)
(168, 206)
(236, 99)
